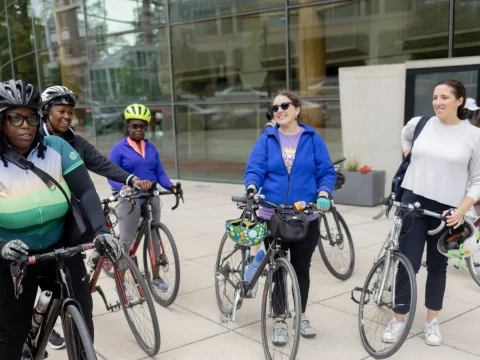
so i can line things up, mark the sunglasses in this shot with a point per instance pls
(284, 106)
(17, 119)
(138, 126)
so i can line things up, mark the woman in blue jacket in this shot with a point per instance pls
(291, 163)
(138, 156)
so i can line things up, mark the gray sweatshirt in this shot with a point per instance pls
(445, 164)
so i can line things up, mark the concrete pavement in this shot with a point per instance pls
(190, 328)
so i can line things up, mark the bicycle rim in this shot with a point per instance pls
(373, 318)
(169, 268)
(137, 305)
(281, 299)
(228, 273)
(77, 338)
(338, 256)
(473, 271)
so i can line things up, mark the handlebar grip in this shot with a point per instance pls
(438, 229)
(241, 199)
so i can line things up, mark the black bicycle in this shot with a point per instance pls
(167, 261)
(281, 294)
(335, 243)
(77, 337)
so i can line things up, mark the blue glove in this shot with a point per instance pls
(323, 203)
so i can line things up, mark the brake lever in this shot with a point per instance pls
(133, 206)
(18, 270)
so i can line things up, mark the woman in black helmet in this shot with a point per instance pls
(32, 214)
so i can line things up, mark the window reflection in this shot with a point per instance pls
(20, 23)
(25, 69)
(238, 59)
(467, 30)
(5, 49)
(131, 68)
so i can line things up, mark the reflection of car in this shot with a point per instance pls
(106, 118)
(241, 93)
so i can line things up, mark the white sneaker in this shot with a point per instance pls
(127, 293)
(432, 333)
(393, 331)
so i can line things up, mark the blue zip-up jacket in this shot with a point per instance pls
(128, 159)
(312, 170)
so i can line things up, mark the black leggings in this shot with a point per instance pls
(301, 253)
(16, 314)
(412, 243)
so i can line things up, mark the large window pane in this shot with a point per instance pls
(6, 72)
(58, 22)
(113, 16)
(26, 69)
(21, 30)
(110, 128)
(239, 58)
(467, 28)
(67, 66)
(184, 10)
(327, 37)
(130, 68)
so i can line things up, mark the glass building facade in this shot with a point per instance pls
(209, 68)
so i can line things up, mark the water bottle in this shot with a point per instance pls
(250, 270)
(38, 312)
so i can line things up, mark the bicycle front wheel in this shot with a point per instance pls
(281, 312)
(473, 271)
(381, 336)
(336, 245)
(77, 338)
(164, 289)
(137, 305)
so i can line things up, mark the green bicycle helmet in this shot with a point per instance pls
(137, 112)
(245, 232)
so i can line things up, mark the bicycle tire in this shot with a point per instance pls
(363, 323)
(143, 292)
(77, 337)
(224, 279)
(471, 268)
(267, 291)
(157, 294)
(322, 242)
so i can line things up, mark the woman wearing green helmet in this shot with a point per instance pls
(138, 156)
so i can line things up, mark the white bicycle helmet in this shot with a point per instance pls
(461, 242)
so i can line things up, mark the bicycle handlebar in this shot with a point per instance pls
(387, 203)
(260, 199)
(18, 269)
(339, 161)
(133, 194)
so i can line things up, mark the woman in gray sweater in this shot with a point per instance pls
(444, 173)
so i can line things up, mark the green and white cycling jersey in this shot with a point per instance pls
(29, 210)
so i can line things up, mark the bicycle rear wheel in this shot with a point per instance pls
(137, 305)
(399, 296)
(169, 265)
(336, 245)
(228, 274)
(77, 338)
(473, 271)
(281, 300)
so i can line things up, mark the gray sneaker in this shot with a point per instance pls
(280, 333)
(306, 330)
(160, 284)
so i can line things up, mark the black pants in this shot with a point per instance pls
(301, 253)
(412, 243)
(16, 314)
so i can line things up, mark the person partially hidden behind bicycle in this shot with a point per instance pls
(137, 155)
(32, 216)
(58, 103)
(444, 173)
(291, 163)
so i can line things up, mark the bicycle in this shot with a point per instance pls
(134, 299)
(168, 260)
(77, 337)
(386, 278)
(231, 288)
(335, 242)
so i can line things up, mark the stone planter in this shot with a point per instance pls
(362, 189)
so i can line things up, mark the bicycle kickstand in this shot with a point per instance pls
(110, 307)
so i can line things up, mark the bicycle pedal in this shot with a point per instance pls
(225, 319)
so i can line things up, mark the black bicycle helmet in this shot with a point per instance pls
(58, 95)
(340, 181)
(18, 93)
